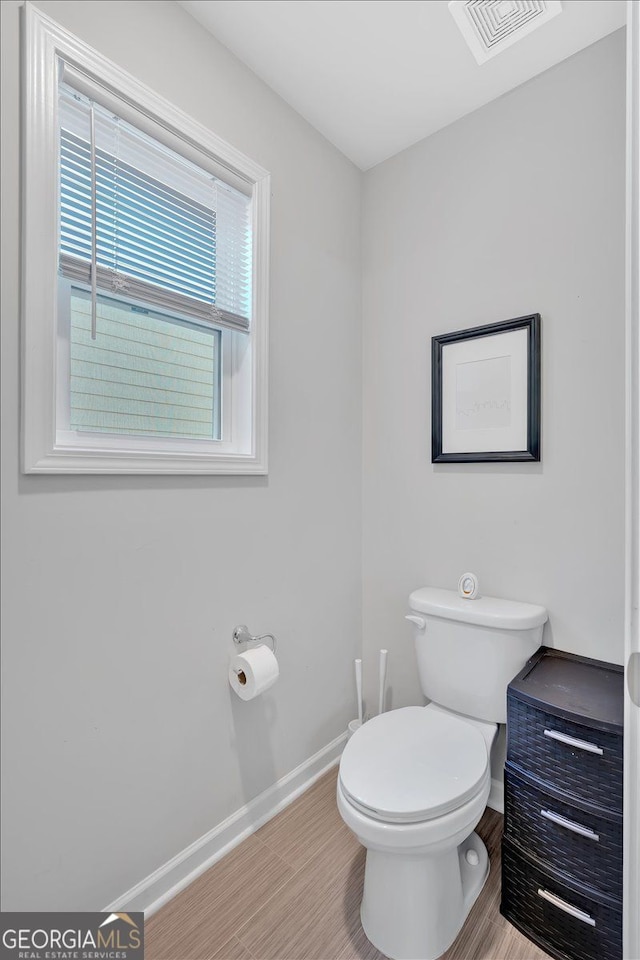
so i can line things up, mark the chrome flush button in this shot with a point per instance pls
(468, 586)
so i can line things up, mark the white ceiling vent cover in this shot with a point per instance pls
(490, 26)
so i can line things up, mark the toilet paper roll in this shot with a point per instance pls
(253, 672)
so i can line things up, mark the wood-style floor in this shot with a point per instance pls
(292, 892)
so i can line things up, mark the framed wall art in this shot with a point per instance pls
(485, 393)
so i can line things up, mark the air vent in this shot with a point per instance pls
(490, 26)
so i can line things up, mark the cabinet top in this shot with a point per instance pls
(573, 687)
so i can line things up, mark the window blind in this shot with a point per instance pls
(166, 232)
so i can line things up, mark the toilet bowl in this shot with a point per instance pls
(414, 782)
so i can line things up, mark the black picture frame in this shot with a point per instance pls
(532, 325)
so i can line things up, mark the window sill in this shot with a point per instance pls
(93, 461)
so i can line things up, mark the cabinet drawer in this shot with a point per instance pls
(564, 920)
(569, 839)
(574, 758)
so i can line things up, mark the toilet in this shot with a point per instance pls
(414, 782)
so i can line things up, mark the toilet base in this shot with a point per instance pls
(414, 906)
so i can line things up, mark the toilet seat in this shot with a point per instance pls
(413, 764)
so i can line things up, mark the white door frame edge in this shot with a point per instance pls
(631, 917)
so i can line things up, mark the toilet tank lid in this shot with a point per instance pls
(483, 611)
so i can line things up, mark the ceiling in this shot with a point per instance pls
(375, 76)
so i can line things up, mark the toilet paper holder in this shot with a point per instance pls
(241, 635)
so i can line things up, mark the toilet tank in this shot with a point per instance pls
(469, 650)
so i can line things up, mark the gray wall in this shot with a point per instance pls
(517, 208)
(123, 742)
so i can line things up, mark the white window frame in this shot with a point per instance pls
(243, 448)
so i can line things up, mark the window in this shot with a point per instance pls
(145, 321)
(144, 374)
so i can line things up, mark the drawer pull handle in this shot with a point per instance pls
(570, 825)
(572, 742)
(567, 907)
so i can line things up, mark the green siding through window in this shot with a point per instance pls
(144, 374)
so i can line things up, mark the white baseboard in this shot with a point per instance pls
(176, 874)
(496, 796)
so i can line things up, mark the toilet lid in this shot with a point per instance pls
(413, 764)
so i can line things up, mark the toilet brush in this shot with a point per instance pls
(358, 664)
(382, 680)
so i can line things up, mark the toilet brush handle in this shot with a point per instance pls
(382, 680)
(358, 666)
